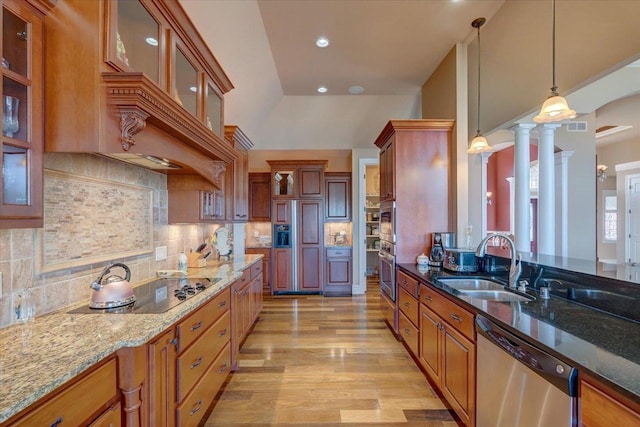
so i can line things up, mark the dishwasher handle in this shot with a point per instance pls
(554, 370)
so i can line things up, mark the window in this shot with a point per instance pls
(610, 215)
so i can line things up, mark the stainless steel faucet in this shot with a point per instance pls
(516, 269)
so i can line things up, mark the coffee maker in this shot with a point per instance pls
(439, 242)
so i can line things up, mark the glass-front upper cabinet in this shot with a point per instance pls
(22, 115)
(214, 118)
(135, 39)
(186, 85)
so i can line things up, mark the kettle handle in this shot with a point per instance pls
(98, 282)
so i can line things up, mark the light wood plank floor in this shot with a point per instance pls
(321, 361)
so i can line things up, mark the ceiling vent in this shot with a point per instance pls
(577, 127)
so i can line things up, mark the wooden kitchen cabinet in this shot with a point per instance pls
(83, 400)
(281, 212)
(238, 174)
(21, 163)
(310, 245)
(338, 272)
(415, 173)
(260, 197)
(246, 304)
(266, 265)
(408, 311)
(133, 100)
(192, 199)
(111, 418)
(282, 270)
(447, 350)
(162, 379)
(337, 193)
(600, 406)
(297, 179)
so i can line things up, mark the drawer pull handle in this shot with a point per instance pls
(197, 362)
(197, 407)
(223, 332)
(223, 303)
(222, 368)
(57, 422)
(404, 282)
(406, 331)
(456, 317)
(196, 326)
(428, 298)
(406, 304)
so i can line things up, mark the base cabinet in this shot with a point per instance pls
(246, 304)
(266, 265)
(162, 379)
(338, 272)
(447, 350)
(600, 406)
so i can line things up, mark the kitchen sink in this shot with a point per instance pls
(588, 294)
(495, 295)
(471, 284)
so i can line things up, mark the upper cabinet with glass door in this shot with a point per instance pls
(22, 113)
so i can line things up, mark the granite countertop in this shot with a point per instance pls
(39, 356)
(604, 345)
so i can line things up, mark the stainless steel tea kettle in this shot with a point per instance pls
(114, 292)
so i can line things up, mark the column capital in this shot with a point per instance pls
(522, 126)
(549, 126)
(485, 156)
(563, 156)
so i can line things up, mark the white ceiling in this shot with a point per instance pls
(389, 47)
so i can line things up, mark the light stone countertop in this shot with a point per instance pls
(39, 356)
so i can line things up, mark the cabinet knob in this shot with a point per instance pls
(428, 298)
(406, 331)
(406, 304)
(223, 332)
(174, 341)
(222, 368)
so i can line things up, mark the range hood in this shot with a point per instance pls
(157, 133)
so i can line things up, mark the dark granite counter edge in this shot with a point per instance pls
(622, 382)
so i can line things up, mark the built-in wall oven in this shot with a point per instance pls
(387, 254)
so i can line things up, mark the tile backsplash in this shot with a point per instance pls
(56, 289)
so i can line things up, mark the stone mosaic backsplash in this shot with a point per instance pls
(19, 248)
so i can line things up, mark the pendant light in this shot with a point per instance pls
(555, 108)
(479, 143)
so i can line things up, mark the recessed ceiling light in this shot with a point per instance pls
(322, 41)
(151, 41)
(322, 89)
(356, 90)
(193, 89)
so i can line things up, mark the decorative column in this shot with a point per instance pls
(546, 190)
(483, 189)
(562, 202)
(521, 167)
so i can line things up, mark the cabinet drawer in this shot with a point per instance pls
(197, 358)
(79, 403)
(256, 269)
(409, 333)
(454, 315)
(428, 295)
(195, 405)
(408, 305)
(388, 309)
(195, 324)
(338, 253)
(408, 283)
(246, 277)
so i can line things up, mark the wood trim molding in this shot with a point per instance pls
(408, 125)
(235, 135)
(136, 96)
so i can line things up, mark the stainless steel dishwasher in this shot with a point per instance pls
(519, 385)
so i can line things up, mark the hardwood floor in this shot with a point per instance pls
(331, 361)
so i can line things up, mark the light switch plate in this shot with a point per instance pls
(161, 253)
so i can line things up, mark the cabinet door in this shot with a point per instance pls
(241, 186)
(310, 250)
(282, 270)
(111, 418)
(162, 379)
(259, 197)
(311, 182)
(337, 192)
(21, 202)
(599, 407)
(458, 368)
(281, 212)
(430, 325)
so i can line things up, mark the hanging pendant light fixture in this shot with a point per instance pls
(479, 143)
(555, 108)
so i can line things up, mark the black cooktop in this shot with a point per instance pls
(157, 296)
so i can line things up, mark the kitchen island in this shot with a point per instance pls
(41, 355)
(604, 348)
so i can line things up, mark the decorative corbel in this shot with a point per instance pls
(218, 170)
(131, 122)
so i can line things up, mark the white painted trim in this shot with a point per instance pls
(462, 141)
(359, 220)
(627, 166)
